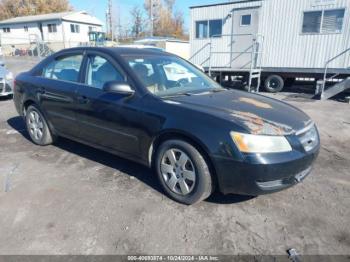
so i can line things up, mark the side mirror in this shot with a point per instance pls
(118, 88)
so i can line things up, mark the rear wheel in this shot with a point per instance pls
(183, 172)
(37, 127)
(274, 83)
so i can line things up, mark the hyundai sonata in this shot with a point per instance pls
(159, 110)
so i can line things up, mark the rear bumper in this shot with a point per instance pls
(260, 175)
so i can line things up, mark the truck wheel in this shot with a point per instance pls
(274, 83)
(183, 172)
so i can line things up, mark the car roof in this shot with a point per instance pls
(118, 50)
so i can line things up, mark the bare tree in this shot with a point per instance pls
(179, 24)
(14, 8)
(169, 4)
(138, 21)
(163, 20)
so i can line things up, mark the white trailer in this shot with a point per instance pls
(276, 41)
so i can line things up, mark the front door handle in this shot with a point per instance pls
(41, 90)
(83, 100)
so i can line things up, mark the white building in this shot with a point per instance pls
(171, 45)
(287, 38)
(58, 30)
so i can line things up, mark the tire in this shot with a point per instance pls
(37, 127)
(274, 84)
(198, 179)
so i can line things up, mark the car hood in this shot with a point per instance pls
(256, 114)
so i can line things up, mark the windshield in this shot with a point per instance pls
(165, 75)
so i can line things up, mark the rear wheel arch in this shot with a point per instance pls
(176, 135)
(30, 102)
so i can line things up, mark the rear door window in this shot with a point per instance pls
(66, 68)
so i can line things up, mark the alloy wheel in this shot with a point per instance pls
(36, 125)
(178, 171)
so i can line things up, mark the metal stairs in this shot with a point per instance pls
(331, 91)
(254, 73)
(322, 91)
(253, 70)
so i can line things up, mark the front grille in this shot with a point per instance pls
(308, 137)
(8, 88)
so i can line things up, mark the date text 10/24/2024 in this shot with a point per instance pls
(173, 258)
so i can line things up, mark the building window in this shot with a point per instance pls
(333, 21)
(74, 28)
(324, 22)
(215, 28)
(6, 30)
(246, 20)
(25, 28)
(92, 29)
(202, 29)
(211, 28)
(312, 22)
(52, 28)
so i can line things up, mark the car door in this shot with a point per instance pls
(106, 119)
(56, 87)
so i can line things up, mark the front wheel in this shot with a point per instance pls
(183, 172)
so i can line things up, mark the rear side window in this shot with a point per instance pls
(66, 68)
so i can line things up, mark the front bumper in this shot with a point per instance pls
(6, 88)
(263, 174)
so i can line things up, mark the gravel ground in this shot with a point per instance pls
(72, 199)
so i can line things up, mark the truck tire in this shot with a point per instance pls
(274, 84)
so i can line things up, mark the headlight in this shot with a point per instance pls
(247, 143)
(9, 76)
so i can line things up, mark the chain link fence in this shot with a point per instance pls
(20, 54)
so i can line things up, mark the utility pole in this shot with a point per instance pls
(109, 20)
(118, 26)
(151, 16)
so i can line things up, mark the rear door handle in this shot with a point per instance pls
(83, 100)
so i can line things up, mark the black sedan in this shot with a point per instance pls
(159, 110)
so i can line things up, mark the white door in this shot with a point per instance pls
(245, 25)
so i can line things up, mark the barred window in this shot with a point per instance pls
(324, 22)
(333, 21)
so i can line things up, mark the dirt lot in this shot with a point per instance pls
(72, 199)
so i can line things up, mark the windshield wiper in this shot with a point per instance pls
(178, 94)
(217, 90)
